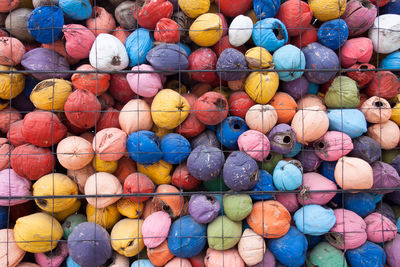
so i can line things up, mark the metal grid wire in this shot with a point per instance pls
(182, 194)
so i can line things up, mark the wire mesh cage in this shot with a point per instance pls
(199, 133)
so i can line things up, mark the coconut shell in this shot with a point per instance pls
(97, 83)
(42, 59)
(42, 129)
(31, 161)
(155, 229)
(386, 134)
(81, 175)
(45, 23)
(348, 168)
(384, 84)
(16, 23)
(167, 31)
(160, 255)
(295, 15)
(13, 184)
(12, 51)
(12, 84)
(314, 181)
(172, 204)
(124, 15)
(101, 21)
(78, 40)
(120, 89)
(168, 57)
(102, 183)
(206, 30)
(51, 94)
(211, 108)
(144, 84)
(5, 152)
(138, 183)
(10, 253)
(57, 257)
(82, 109)
(150, 12)
(135, 116)
(110, 144)
(74, 152)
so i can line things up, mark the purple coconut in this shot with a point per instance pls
(268, 260)
(309, 160)
(207, 138)
(282, 138)
(296, 88)
(204, 208)
(231, 59)
(385, 176)
(392, 249)
(168, 57)
(366, 148)
(319, 57)
(386, 210)
(240, 171)
(43, 59)
(205, 162)
(89, 244)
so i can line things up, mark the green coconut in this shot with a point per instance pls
(270, 162)
(326, 255)
(223, 233)
(343, 93)
(70, 223)
(237, 206)
(217, 184)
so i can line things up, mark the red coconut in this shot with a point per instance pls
(79, 40)
(82, 109)
(138, 183)
(191, 126)
(233, 8)
(11, 50)
(43, 128)
(152, 11)
(15, 134)
(380, 3)
(224, 24)
(108, 119)
(239, 104)
(120, 89)
(121, 34)
(181, 178)
(106, 101)
(356, 50)
(362, 78)
(101, 21)
(126, 167)
(203, 59)
(295, 15)
(223, 44)
(211, 108)
(384, 84)
(97, 83)
(7, 117)
(307, 36)
(32, 162)
(167, 31)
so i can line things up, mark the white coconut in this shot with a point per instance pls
(108, 53)
(240, 30)
(385, 33)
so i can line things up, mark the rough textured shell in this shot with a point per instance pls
(79, 40)
(102, 183)
(353, 173)
(13, 185)
(138, 44)
(251, 247)
(131, 120)
(74, 152)
(386, 134)
(315, 181)
(110, 144)
(11, 50)
(51, 94)
(379, 228)
(10, 253)
(155, 229)
(206, 30)
(384, 33)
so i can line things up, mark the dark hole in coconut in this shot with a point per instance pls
(210, 198)
(42, 202)
(254, 176)
(68, 224)
(269, 157)
(116, 61)
(236, 126)
(366, 3)
(287, 139)
(278, 32)
(321, 145)
(378, 104)
(129, 244)
(166, 208)
(109, 261)
(220, 104)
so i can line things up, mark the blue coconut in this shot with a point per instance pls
(266, 8)
(333, 33)
(314, 219)
(168, 57)
(45, 24)
(361, 203)
(144, 147)
(349, 121)
(77, 10)
(137, 45)
(287, 176)
(369, 254)
(289, 57)
(229, 131)
(175, 148)
(264, 183)
(270, 33)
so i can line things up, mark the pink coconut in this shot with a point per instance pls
(315, 181)
(380, 228)
(11, 184)
(289, 201)
(135, 116)
(74, 152)
(10, 252)
(102, 183)
(349, 231)
(333, 145)
(54, 259)
(144, 84)
(255, 144)
(217, 258)
(110, 144)
(155, 229)
(178, 262)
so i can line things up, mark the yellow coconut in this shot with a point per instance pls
(11, 84)
(258, 58)
(127, 238)
(262, 86)
(55, 184)
(194, 8)
(51, 94)
(38, 232)
(106, 217)
(104, 166)
(129, 208)
(206, 30)
(169, 109)
(159, 173)
(325, 10)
